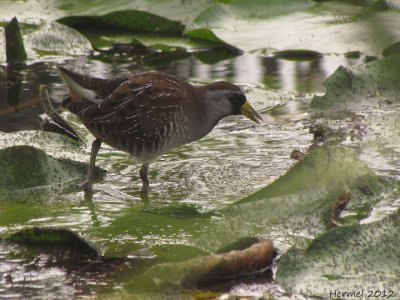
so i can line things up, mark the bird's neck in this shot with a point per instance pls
(207, 113)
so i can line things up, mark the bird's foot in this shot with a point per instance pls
(86, 187)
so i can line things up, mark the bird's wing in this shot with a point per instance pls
(140, 107)
(85, 88)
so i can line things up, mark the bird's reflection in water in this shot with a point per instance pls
(88, 198)
(144, 194)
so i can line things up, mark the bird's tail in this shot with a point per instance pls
(81, 88)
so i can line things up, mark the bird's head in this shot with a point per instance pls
(227, 99)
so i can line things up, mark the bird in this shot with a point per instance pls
(148, 114)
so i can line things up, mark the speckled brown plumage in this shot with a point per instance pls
(148, 114)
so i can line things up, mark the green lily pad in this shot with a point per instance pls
(295, 208)
(151, 31)
(106, 24)
(54, 238)
(328, 27)
(55, 38)
(304, 200)
(26, 169)
(52, 39)
(177, 10)
(297, 55)
(214, 55)
(370, 82)
(363, 259)
(205, 34)
(128, 20)
(392, 49)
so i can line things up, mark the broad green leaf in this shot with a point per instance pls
(360, 258)
(117, 21)
(49, 39)
(177, 10)
(32, 163)
(148, 42)
(127, 20)
(366, 84)
(53, 238)
(362, 103)
(297, 206)
(328, 27)
(302, 202)
(52, 37)
(25, 168)
(127, 27)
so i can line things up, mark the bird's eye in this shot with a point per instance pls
(232, 98)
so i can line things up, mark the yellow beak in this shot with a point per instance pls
(248, 111)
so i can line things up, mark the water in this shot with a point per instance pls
(236, 159)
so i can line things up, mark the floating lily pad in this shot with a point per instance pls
(392, 49)
(26, 168)
(128, 20)
(303, 201)
(359, 258)
(177, 10)
(55, 239)
(366, 83)
(298, 206)
(328, 27)
(106, 24)
(297, 55)
(52, 38)
(217, 54)
(205, 34)
(129, 27)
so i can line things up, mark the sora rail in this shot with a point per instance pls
(148, 114)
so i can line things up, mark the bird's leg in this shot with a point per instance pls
(144, 193)
(87, 185)
(144, 171)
